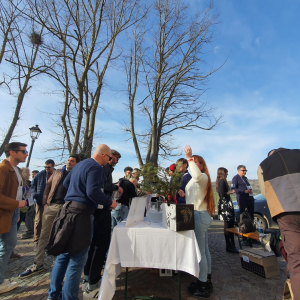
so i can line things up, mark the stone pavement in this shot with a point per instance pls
(229, 279)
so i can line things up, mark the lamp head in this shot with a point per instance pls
(35, 131)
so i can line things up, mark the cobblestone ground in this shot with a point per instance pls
(229, 279)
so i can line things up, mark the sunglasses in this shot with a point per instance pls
(24, 151)
(48, 167)
(110, 158)
(244, 170)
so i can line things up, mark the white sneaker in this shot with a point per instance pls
(7, 286)
(91, 294)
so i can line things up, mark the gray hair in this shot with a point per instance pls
(240, 166)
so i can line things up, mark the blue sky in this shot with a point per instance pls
(257, 92)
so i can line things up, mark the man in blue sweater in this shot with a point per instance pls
(85, 194)
(243, 189)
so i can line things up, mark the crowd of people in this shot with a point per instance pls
(80, 202)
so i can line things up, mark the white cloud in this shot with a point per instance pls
(216, 49)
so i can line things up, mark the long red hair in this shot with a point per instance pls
(209, 196)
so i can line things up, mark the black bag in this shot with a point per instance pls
(246, 223)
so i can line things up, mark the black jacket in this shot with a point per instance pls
(223, 189)
(128, 191)
(109, 187)
(71, 230)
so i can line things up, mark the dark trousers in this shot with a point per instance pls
(99, 246)
(229, 236)
(249, 204)
(29, 221)
(22, 219)
(289, 225)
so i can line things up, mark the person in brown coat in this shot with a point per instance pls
(10, 201)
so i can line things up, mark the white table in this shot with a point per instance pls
(148, 245)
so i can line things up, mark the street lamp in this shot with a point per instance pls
(34, 133)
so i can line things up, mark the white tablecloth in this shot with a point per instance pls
(148, 245)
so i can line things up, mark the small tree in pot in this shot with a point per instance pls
(157, 180)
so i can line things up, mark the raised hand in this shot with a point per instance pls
(188, 152)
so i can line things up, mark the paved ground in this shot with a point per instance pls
(229, 279)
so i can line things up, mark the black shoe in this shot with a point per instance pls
(26, 236)
(33, 270)
(209, 283)
(199, 290)
(231, 249)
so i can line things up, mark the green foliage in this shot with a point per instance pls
(157, 180)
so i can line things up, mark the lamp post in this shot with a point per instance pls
(35, 131)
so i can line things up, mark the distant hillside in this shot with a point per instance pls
(254, 183)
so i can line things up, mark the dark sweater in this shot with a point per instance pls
(223, 189)
(85, 184)
(185, 179)
(240, 185)
(60, 192)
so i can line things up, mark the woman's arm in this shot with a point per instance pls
(199, 177)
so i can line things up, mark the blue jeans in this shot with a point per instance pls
(202, 223)
(8, 242)
(119, 214)
(70, 265)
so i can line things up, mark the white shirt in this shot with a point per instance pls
(20, 192)
(196, 187)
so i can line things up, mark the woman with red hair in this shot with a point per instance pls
(199, 192)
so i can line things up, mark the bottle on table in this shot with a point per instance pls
(260, 229)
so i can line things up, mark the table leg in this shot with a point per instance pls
(250, 242)
(126, 279)
(179, 285)
(240, 243)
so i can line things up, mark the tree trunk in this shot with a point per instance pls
(16, 114)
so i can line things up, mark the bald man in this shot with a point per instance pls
(85, 195)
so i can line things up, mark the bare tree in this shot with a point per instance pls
(20, 50)
(83, 36)
(170, 63)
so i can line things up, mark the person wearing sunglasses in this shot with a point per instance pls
(102, 232)
(11, 185)
(72, 241)
(38, 186)
(243, 189)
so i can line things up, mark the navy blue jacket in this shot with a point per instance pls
(240, 185)
(185, 180)
(85, 184)
(38, 185)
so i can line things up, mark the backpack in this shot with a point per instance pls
(246, 223)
